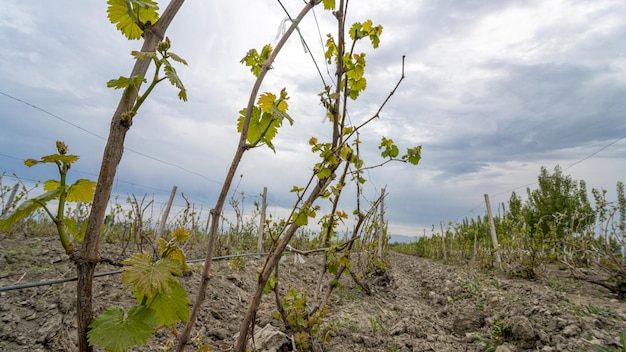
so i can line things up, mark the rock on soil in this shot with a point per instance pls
(420, 305)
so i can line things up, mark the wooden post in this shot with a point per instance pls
(166, 213)
(475, 243)
(10, 200)
(494, 237)
(208, 222)
(443, 241)
(259, 245)
(381, 224)
(77, 211)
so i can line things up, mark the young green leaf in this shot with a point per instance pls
(366, 29)
(346, 151)
(141, 55)
(181, 234)
(270, 284)
(131, 16)
(27, 208)
(281, 115)
(329, 4)
(31, 162)
(266, 118)
(176, 58)
(149, 279)
(265, 53)
(251, 59)
(296, 189)
(71, 225)
(124, 82)
(52, 158)
(255, 60)
(113, 333)
(81, 191)
(170, 73)
(177, 254)
(331, 49)
(172, 307)
(333, 266)
(50, 185)
(301, 218)
(389, 149)
(413, 155)
(323, 173)
(255, 128)
(266, 101)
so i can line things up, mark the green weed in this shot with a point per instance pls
(375, 324)
(622, 348)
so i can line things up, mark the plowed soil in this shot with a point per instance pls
(419, 305)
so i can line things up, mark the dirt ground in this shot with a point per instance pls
(421, 306)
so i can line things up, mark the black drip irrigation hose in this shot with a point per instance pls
(60, 281)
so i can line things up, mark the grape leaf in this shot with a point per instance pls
(112, 332)
(81, 191)
(149, 279)
(270, 284)
(367, 29)
(141, 55)
(162, 245)
(280, 115)
(389, 149)
(178, 255)
(50, 185)
(176, 58)
(329, 4)
(124, 82)
(333, 266)
(181, 234)
(355, 30)
(323, 173)
(301, 218)
(66, 159)
(345, 152)
(71, 225)
(265, 118)
(170, 308)
(265, 53)
(266, 101)
(52, 158)
(268, 126)
(26, 208)
(242, 117)
(257, 125)
(128, 15)
(413, 155)
(171, 75)
(296, 189)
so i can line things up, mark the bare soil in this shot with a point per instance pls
(420, 305)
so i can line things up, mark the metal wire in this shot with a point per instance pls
(60, 281)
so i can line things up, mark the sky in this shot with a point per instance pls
(493, 91)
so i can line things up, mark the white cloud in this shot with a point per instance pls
(493, 91)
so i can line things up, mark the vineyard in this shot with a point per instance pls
(450, 294)
(419, 305)
(83, 270)
(557, 225)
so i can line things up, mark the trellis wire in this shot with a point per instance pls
(60, 281)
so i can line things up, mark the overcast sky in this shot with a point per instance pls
(493, 91)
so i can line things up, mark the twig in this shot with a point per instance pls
(20, 279)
